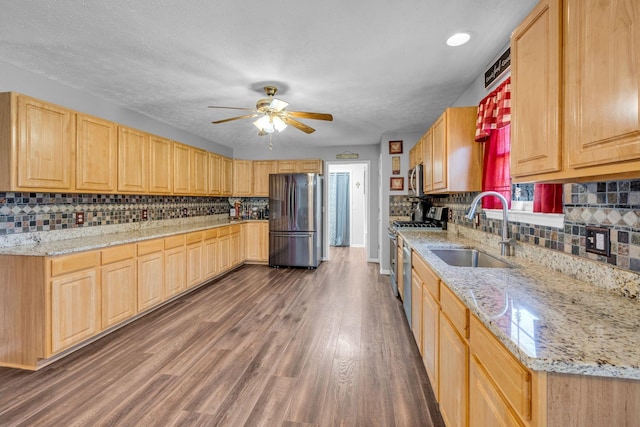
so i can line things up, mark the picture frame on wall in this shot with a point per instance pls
(395, 165)
(397, 183)
(395, 147)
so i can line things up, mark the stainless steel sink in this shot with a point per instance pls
(469, 258)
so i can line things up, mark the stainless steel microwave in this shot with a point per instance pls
(415, 182)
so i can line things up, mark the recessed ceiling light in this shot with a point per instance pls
(458, 39)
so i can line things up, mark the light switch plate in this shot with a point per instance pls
(598, 241)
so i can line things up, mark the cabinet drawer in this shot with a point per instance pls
(150, 247)
(224, 231)
(70, 263)
(455, 310)
(118, 253)
(194, 237)
(211, 234)
(429, 279)
(512, 379)
(234, 229)
(174, 242)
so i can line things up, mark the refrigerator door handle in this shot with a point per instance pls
(296, 235)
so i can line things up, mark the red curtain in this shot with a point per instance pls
(493, 128)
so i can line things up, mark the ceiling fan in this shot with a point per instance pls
(274, 115)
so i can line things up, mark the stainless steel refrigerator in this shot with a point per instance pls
(295, 220)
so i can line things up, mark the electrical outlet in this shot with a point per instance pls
(79, 218)
(598, 241)
(185, 211)
(145, 215)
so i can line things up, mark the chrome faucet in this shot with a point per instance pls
(506, 243)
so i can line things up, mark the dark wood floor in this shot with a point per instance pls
(260, 347)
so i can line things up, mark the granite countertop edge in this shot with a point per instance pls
(616, 354)
(96, 242)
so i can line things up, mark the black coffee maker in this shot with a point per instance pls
(419, 211)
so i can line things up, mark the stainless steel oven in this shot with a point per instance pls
(393, 243)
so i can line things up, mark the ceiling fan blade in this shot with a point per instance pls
(232, 108)
(247, 116)
(298, 125)
(315, 116)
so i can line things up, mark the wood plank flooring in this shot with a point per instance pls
(259, 347)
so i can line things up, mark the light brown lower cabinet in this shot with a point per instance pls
(150, 273)
(75, 301)
(119, 288)
(454, 360)
(49, 305)
(257, 242)
(416, 309)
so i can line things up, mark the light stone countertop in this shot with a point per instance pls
(548, 320)
(90, 238)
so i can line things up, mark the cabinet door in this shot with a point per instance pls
(46, 145)
(486, 407)
(242, 177)
(224, 257)
(215, 175)
(427, 160)
(96, 154)
(310, 166)
(210, 255)
(227, 176)
(150, 280)
(453, 391)
(175, 274)
(181, 168)
(287, 166)
(400, 262)
(430, 337)
(439, 152)
(133, 161)
(416, 309)
(602, 83)
(536, 87)
(257, 242)
(75, 308)
(160, 165)
(195, 264)
(119, 300)
(236, 248)
(261, 171)
(199, 171)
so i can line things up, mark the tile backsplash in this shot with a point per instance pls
(613, 204)
(31, 212)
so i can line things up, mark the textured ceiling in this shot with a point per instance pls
(378, 66)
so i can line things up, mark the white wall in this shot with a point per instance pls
(408, 141)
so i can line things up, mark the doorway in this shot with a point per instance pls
(347, 205)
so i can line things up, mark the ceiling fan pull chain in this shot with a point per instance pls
(270, 143)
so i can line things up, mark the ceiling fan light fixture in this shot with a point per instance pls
(264, 124)
(278, 104)
(458, 39)
(278, 123)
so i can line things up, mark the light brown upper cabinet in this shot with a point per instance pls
(227, 176)
(427, 161)
(37, 142)
(261, 171)
(160, 165)
(416, 155)
(242, 177)
(199, 181)
(181, 168)
(215, 174)
(310, 166)
(596, 132)
(536, 91)
(96, 154)
(133, 161)
(287, 166)
(456, 159)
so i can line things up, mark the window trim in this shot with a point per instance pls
(534, 218)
